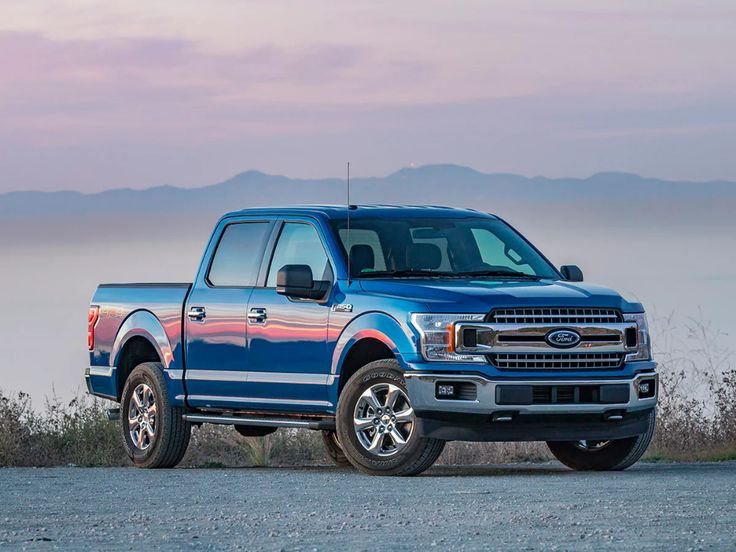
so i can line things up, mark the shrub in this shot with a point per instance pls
(696, 418)
(75, 432)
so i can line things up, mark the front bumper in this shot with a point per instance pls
(532, 409)
(491, 396)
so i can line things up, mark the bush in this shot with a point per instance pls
(76, 432)
(696, 418)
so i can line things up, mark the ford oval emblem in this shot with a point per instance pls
(562, 339)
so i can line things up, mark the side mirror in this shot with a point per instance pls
(297, 281)
(572, 273)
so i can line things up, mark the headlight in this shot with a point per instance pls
(437, 336)
(643, 344)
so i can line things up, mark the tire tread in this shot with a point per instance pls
(428, 449)
(172, 441)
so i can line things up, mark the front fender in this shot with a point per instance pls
(375, 325)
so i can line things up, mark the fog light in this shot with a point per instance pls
(445, 390)
(646, 389)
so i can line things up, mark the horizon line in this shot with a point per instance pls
(454, 166)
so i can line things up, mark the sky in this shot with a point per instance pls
(98, 95)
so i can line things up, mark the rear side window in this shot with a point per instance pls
(238, 255)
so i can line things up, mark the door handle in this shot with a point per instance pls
(257, 316)
(196, 313)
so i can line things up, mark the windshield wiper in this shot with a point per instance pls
(503, 273)
(425, 273)
(408, 273)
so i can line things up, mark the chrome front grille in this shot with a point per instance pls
(558, 315)
(557, 361)
(522, 338)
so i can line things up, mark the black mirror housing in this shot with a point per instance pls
(572, 273)
(297, 281)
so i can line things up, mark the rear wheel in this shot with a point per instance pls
(154, 433)
(376, 425)
(334, 449)
(616, 454)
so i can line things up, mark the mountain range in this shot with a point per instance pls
(430, 184)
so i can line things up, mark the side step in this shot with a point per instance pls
(260, 422)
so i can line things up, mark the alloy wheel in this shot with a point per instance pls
(383, 419)
(142, 417)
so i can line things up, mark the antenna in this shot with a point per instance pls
(348, 206)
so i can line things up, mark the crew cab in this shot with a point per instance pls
(390, 329)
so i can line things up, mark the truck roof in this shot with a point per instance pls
(371, 210)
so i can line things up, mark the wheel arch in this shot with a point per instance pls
(371, 336)
(141, 338)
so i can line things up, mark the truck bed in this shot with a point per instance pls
(157, 307)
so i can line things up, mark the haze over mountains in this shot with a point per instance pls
(441, 184)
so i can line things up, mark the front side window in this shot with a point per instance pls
(453, 247)
(299, 244)
(238, 255)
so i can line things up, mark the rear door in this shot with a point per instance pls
(215, 317)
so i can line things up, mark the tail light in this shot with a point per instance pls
(92, 317)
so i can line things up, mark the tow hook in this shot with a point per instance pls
(502, 416)
(614, 416)
(113, 414)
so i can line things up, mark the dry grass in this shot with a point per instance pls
(62, 433)
(696, 421)
(696, 418)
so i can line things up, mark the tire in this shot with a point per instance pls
(617, 454)
(389, 456)
(334, 450)
(164, 436)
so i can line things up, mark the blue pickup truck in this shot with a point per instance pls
(390, 329)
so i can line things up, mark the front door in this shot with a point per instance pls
(288, 362)
(216, 313)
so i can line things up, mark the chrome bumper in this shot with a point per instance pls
(422, 394)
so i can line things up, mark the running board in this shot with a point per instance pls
(260, 422)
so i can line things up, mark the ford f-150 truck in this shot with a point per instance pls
(391, 329)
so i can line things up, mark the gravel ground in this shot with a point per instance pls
(524, 507)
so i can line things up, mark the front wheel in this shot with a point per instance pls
(376, 424)
(155, 435)
(616, 454)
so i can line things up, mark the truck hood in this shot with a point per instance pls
(482, 295)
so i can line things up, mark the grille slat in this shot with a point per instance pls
(560, 315)
(467, 391)
(551, 361)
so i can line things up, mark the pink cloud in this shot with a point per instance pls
(71, 90)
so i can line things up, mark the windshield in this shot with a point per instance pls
(435, 247)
